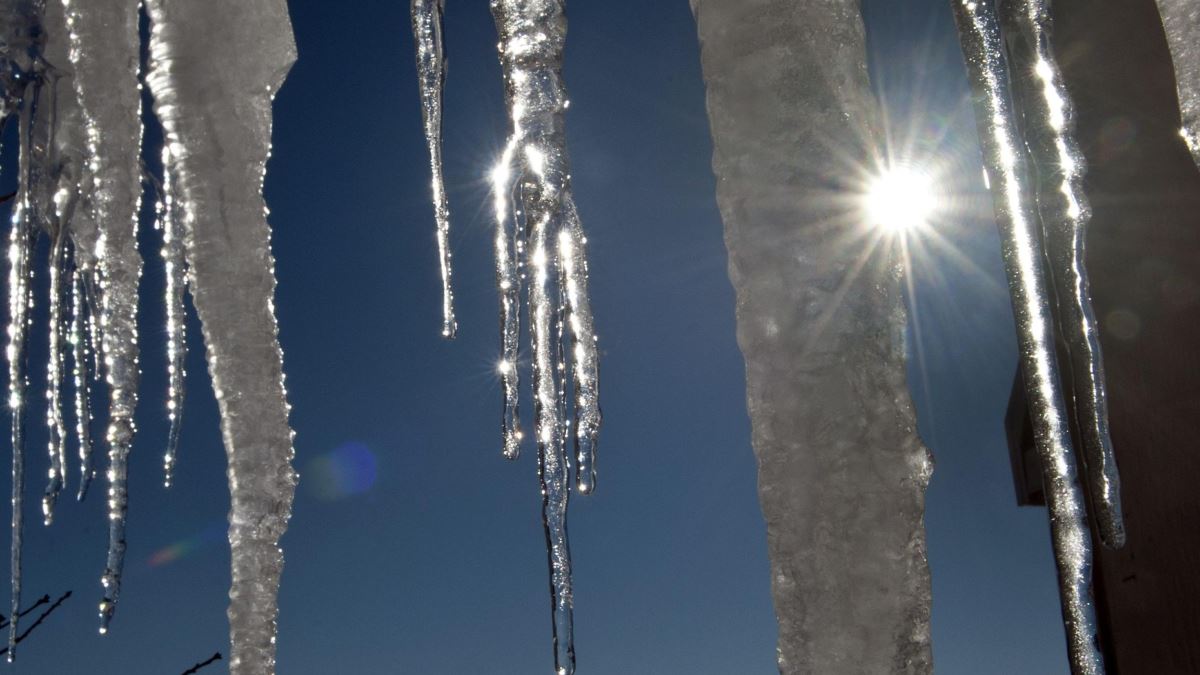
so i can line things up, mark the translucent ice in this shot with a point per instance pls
(105, 57)
(431, 72)
(541, 243)
(1016, 216)
(215, 107)
(1181, 19)
(1047, 125)
(821, 320)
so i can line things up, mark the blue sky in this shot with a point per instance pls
(414, 547)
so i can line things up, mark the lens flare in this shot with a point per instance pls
(346, 471)
(901, 199)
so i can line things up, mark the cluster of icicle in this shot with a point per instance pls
(540, 243)
(1036, 171)
(70, 75)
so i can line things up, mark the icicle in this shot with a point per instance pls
(1181, 20)
(1023, 256)
(104, 55)
(83, 410)
(176, 274)
(55, 421)
(585, 360)
(20, 298)
(215, 109)
(546, 238)
(21, 68)
(1048, 127)
(821, 323)
(431, 67)
(510, 253)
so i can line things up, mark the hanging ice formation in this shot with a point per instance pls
(69, 71)
(1181, 20)
(539, 243)
(1014, 198)
(820, 322)
(1047, 125)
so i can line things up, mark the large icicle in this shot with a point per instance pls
(105, 56)
(1013, 196)
(842, 472)
(431, 68)
(547, 239)
(1048, 128)
(1181, 20)
(215, 108)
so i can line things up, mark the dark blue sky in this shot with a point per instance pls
(414, 547)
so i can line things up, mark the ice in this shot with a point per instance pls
(1047, 126)
(542, 244)
(431, 69)
(21, 65)
(1013, 199)
(1181, 20)
(821, 321)
(104, 56)
(215, 107)
(79, 375)
(175, 271)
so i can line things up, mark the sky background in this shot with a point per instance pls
(414, 547)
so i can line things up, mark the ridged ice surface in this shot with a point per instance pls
(1013, 198)
(215, 107)
(431, 73)
(105, 57)
(820, 322)
(1047, 126)
(540, 245)
(1181, 19)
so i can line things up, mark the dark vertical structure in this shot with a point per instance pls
(1143, 256)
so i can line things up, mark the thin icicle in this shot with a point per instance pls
(1048, 126)
(55, 420)
(215, 109)
(176, 286)
(21, 41)
(584, 357)
(510, 252)
(104, 55)
(545, 238)
(79, 368)
(20, 298)
(1012, 193)
(431, 73)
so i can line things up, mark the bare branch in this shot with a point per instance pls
(212, 659)
(40, 619)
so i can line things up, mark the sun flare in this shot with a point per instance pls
(901, 199)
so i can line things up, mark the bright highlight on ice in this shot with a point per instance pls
(901, 199)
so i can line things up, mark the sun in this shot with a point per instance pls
(901, 199)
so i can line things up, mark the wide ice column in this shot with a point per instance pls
(216, 66)
(1181, 21)
(821, 321)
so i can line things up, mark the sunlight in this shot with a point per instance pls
(901, 199)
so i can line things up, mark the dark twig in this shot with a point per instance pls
(44, 600)
(40, 619)
(4, 198)
(212, 659)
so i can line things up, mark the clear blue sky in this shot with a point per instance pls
(437, 565)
